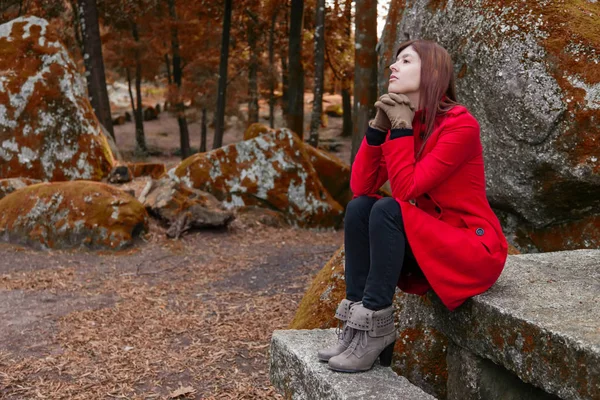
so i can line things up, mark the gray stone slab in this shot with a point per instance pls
(296, 372)
(541, 320)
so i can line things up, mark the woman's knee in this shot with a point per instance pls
(386, 207)
(360, 207)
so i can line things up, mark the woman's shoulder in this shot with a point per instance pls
(460, 114)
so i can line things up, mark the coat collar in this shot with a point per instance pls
(456, 110)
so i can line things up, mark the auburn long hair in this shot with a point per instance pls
(437, 80)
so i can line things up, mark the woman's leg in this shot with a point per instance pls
(388, 247)
(356, 245)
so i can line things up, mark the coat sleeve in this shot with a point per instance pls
(457, 143)
(369, 171)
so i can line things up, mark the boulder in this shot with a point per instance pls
(333, 172)
(271, 170)
(182, 208)
(334, 110)
(74, 214)
(256, 129)
(532, 80)
(11, 184)
(149, 113)
(48, 130)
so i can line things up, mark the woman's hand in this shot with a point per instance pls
(398, 109)
(381, 120)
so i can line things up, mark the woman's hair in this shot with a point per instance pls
(437, 80)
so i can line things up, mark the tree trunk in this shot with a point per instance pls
(168, 64)
(272, 79)
(131, 98)
(220, 115)
(346, 82)
(203, 131)
(317, 110)
(365, 69)
(347, 110)
(252, 69)
(284, 66)
(94, 63)
(295, 116)
(140, 138)
(184, 136)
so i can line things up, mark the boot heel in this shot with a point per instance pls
(385, 358)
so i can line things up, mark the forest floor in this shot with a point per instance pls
(187, 318)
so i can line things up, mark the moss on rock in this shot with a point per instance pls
(48, 130)
(76, 214)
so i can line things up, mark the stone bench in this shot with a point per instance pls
(534, 335)
(297, 373)
(540, 322)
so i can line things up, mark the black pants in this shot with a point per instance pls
(376, 250)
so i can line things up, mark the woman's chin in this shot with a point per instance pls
(394, 88)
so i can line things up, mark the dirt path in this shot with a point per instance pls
(194, 314)
(192, 317)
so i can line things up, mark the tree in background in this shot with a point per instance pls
(220, 114)
(184, 135)
(295, 114)
(365, 69)
(253, 27)
(94, 63)
(315, 122)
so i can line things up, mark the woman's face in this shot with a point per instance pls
(406, 72)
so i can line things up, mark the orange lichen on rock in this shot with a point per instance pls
(333, 172)
(154, 170)
(271, 170)
(256, 129)
(584, 233)
(48, 129)
(11, 184)
(72, 214)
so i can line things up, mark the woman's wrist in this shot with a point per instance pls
(375, 136)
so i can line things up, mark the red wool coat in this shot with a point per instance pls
(455, 236)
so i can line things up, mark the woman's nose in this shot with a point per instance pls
(393, 67)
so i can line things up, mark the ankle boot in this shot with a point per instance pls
(344, 332)
(375, 337)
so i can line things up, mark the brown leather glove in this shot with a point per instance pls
(400, 113)
(381, 120)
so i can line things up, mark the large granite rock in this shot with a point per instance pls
(333, 172)
(76, 214)
(531, 77)
(271, 170)
(298, 374)
(48, 130)
(541, 321)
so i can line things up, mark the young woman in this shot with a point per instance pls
(437, 231)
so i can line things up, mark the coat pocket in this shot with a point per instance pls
(483, 231)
